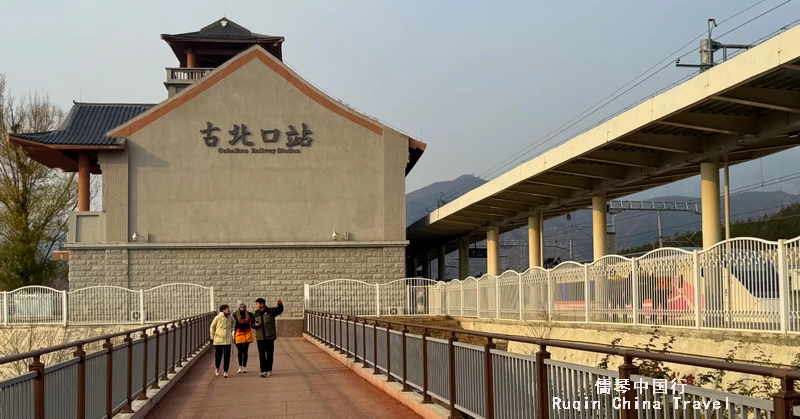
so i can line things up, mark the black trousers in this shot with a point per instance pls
(241, 349)
(266, 348)
(222, 352)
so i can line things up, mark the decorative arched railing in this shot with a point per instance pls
(738, 284)
(103, 305)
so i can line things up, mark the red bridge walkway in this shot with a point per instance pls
(306, 383)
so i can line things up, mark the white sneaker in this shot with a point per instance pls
(263, 375)
(269, 373)
(239, 371)
(216, 372)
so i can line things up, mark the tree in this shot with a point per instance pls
(34, 200)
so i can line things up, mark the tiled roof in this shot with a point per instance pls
(225, 30)
(88, 123)
(227, 36)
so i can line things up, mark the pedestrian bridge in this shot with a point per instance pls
(351, 366)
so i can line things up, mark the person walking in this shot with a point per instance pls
(244, 335)
(266, 333)
(222, 335)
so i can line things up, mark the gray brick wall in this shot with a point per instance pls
(115, 194)
(237, 274)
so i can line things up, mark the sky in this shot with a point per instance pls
(478, 81)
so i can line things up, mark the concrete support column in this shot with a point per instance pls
(83, 181)
(709, 188)
(426, 264)
(463, 257)
(493, 251)
(599, 225)
(535, 240)
(442, 264)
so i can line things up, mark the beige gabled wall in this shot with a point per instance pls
(181, 191)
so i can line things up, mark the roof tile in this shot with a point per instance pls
(88, 123)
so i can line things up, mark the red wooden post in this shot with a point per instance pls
(389, 377)
(785, 399)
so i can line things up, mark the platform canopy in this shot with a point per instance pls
(747, 107)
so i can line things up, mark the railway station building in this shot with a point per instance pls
(246, 178)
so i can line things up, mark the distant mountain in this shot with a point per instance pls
(633, 228)
(424, 200)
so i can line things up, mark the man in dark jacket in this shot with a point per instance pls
(266, 333)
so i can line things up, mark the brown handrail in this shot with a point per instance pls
(74, 343)
(783, 400)
(38, 366)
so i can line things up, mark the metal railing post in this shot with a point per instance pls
(64, 307)
(174, 347)
(451, 359)
(549, 297)
(38, 387)
(586, 289)
(127, 408)
(520, 297)
(141, 307)
(389, 378)
(426, 397)
(635, 290)
(109, 376)
(355, 339)
(698, 290)
(182, 349)
(461, 285)
(341, 335)
(211, 297)
(143, 394)
(347, 337)
(784, 288)
(405, 361)
(497, 298)
(542, 397)
(478, 297)
(166, 351)
(489, 375)
(364, 344)
(81, 402)
(784, 400)
(5, 307)
(377, 300)
(626, 370)
(155, 360)
(375, 348)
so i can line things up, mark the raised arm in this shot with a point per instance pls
(275, 311)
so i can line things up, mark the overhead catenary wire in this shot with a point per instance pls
(514, 159)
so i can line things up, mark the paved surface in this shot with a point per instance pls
(306, 383)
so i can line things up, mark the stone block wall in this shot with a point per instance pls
(237, 274)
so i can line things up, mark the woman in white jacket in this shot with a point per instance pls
(222, 335)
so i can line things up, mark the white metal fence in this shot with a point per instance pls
(738, 284)
(102, 305)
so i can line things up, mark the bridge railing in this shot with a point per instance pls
(484, 382)
(102, 383)
(102, 305)
(738, 284)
